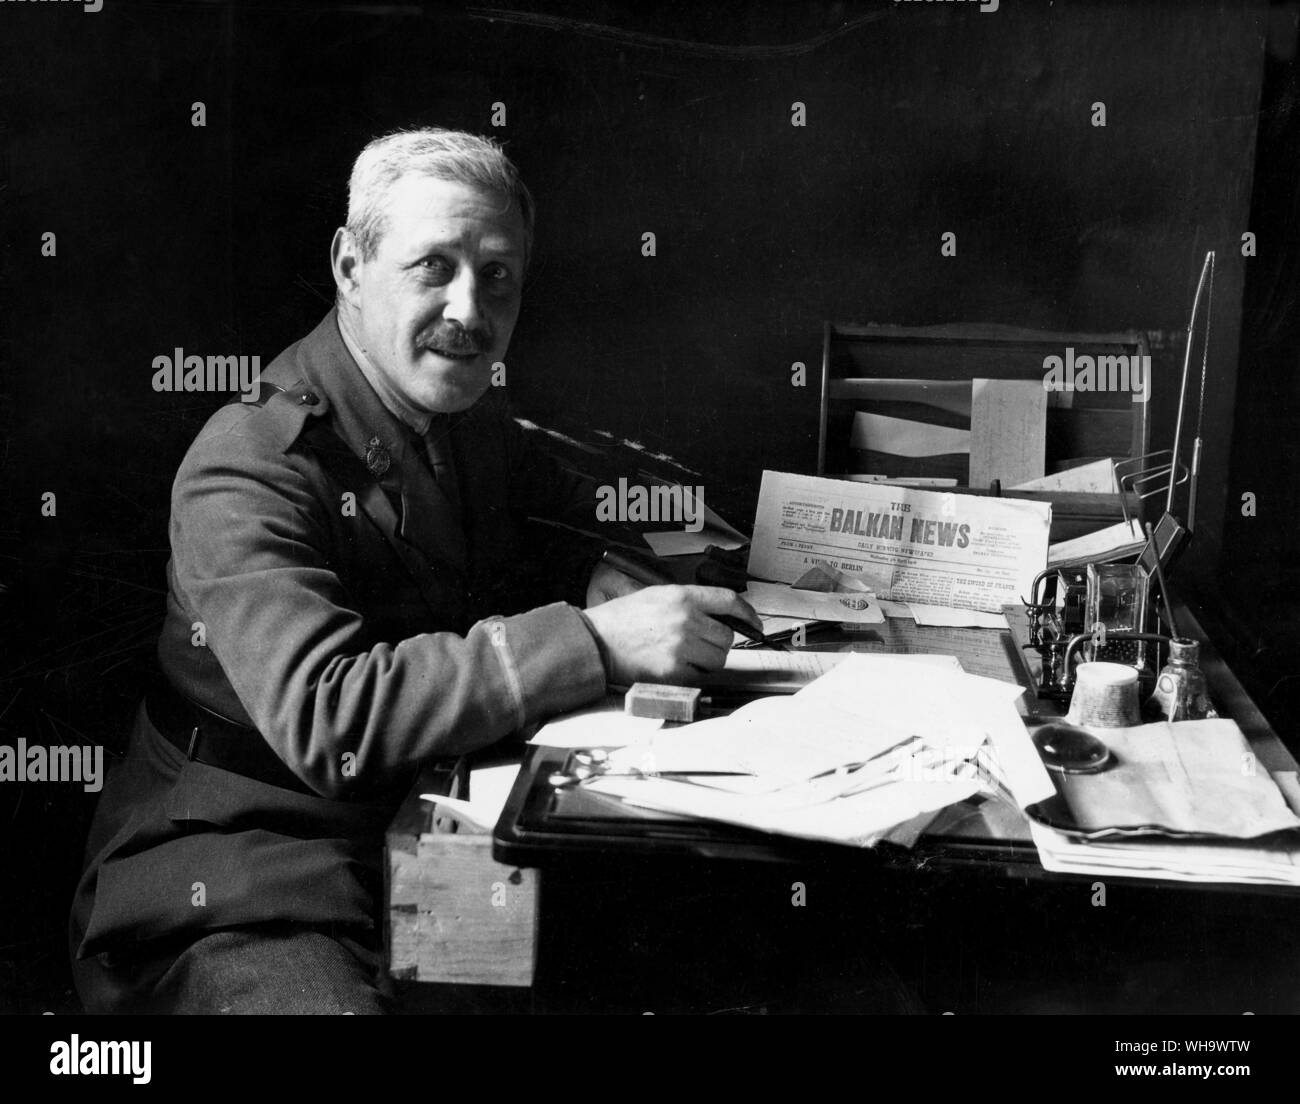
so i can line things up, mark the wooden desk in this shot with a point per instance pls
(441, 932)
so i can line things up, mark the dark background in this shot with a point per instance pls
(921, 119)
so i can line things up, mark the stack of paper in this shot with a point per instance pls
(1124, 538)
(867, 751)
(1273, 861)
(1189, 779)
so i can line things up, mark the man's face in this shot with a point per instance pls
(435, 306)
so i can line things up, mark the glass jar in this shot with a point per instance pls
(1180, 693)
(1117, 600)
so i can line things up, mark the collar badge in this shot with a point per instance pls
(378, 458)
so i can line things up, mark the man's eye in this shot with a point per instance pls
(435, 266)
(497, 272)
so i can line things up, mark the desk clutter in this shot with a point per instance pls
(872, 749)
(974, 408)
(871, 742)
(876, 747)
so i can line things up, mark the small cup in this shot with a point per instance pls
(1105, 696)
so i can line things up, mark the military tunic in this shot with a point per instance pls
(326, 592)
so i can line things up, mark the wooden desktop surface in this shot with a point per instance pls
(440, 930)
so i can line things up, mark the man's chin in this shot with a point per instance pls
(458, 386)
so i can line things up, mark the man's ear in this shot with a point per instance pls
(345, 260)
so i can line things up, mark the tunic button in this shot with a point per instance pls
(308, 398)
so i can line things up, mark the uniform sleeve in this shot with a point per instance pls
(251, 557)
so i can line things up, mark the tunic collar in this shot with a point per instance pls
(417, 419)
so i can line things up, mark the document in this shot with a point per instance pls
(953, 396)
(955, 618)
(1273, 860)
(601, 725)
(979, 651)
(905, 544)
(1008, 438)
(860, 819)
(1121, 539)
(779, 600)
(960, 713)
(765, 671)
(489, 789)
(901, 437)
(1097, 477)
(1188, 778)
(681, 542)
(866, 752)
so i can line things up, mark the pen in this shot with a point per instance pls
(650, 576)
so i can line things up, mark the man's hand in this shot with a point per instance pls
(668, 633)
(608, 583)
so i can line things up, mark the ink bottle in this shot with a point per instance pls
(1180, 693)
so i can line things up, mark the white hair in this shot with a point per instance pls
(441, 154)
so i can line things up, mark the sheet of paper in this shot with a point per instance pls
(863, 704)
(1008, 431)
(902, 437)
(827, 579)
(794, 736)
(947, 662)
(479, 821)
(1272, 861)
(778, 739)
(777, 599)
(1123, 534)
(907, 545)
(679, 542)
(715, 524)
(764, 670)
(925, 481)
(489, 787)
(1095, 478)
(959, 712)
(907, 833)
(866, 750)
(1289, 784)
(980, 651)
(773, 624)
(860, 820)
(1194, 776)
(601, 725)
(955, 618)
(895, 609)
(953, 396)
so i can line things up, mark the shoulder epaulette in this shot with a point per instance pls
(290, 409)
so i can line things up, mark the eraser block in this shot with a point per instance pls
(654, 699)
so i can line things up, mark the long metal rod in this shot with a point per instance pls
(1187, 364)
(1164, 588)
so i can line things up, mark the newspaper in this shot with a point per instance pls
(908, 545)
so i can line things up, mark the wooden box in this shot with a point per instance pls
(454, 914)
(1081, 425)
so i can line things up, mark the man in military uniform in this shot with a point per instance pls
(343, 598)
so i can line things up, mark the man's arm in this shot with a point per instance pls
(661, 633)
(252, 559)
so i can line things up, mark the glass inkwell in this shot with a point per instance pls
(1180, 693)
